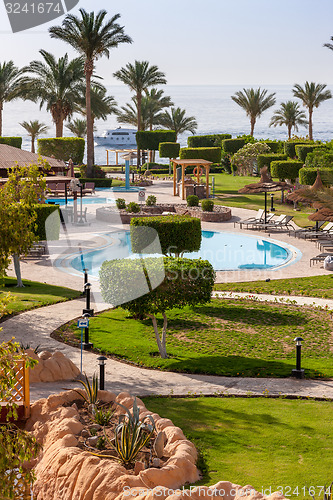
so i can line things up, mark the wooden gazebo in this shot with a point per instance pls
(199, 164)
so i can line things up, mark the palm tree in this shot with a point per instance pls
(102, 105)
(178, 122)
(254, 102)
(78, 127)
(139, 77)
(10, 82)
(311, 96)
(57, 84)
(290, 115)
(92, 38)
(34, 129)
(155, 102)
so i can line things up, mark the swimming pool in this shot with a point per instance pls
(225, 251)
(85, 201)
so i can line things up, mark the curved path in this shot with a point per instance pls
(34, 327)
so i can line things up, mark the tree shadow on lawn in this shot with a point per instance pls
(231, 366)
(253, 316)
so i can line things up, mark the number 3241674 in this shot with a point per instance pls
(34, 8)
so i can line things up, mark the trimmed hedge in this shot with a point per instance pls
(177, 233)
(320, 158)
(302, 150)
(15, 142)
(232, 145)
(207, 141)
(209, 154)
(192, 200)
(307, 176)
(63, 148)
(43, 212)
(286, 169)
(265, 160)
(169, 149)
(289, 148)
(101, 183)
(276, 146)
(151, 139)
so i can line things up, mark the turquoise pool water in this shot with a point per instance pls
(85, 201)
(225, 251)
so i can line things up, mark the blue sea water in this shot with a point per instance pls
(211, 105)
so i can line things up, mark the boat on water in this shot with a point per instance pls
(118, 137)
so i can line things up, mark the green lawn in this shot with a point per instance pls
(312, 286)
(226, 337)
(35, 295)
(262, 442)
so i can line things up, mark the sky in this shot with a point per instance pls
(203, 42)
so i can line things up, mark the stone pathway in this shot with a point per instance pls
(35, 327)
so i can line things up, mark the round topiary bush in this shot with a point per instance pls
(120, 203)
(133, 208)
(151, 200)
(207, 205)
(192, 200)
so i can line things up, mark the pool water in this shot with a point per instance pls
(225, 251)
(85, 201)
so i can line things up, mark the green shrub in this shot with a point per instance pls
(231, 146)
(307, 176)
(209, 154)
(286, 169)
(265, 160)
(207, 141)
(151, 200)
(192, 200)
(63, 148)
(133, 208)
(169, 149)
(150, 139)
(247, 138)
(97, 172)
(320, 158)
(149, 165)
(101, 183)
(177, 233)
(289, 148)
(276, 146)
(53, 230)
(302, 150)
(15, 142)
(120, 203)
(207, 205)
(159, 171)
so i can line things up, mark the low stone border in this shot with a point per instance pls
(52, 367)
(65, 472)
(113, 215)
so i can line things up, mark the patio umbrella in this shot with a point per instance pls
(322, 214)
(265, 185)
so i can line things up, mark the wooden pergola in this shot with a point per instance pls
(190, 163)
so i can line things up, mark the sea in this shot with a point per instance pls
(211, 105)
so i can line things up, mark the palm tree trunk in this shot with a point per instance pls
(1, 108)
(89, 67)
(289, 131)
(59, 127)
(253, 121)
(138, 100)
(32, 143)
(310, 124)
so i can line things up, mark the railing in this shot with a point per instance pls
(20, 394)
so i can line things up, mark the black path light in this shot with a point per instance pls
(86, 344)
(299, 372)
(272, 203)
(88, 310)
(85, 280)
(101, 361)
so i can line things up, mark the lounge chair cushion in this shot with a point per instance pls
(328, 263)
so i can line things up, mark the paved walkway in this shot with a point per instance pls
(35, 327)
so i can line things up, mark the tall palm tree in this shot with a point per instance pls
(78, 127)
(151, 106)
(177, 121)
(139, 77)
(312, 95)
(254, 102)
(92, 38)
(10, 82)
(155, 103)
(290, 115)
(56, 84)
(102, 105)
(34, 129)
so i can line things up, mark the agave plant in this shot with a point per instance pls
(103, 417)
(91, 391)
(132, 434)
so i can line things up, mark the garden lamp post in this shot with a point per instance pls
(101, 361)
(87, 288)
(86, 344)
(85, 270)
(298, 372)
(272, 203)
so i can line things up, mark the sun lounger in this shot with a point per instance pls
(259, 216)
(89, 188)
(324, 233)
(320, 258)
(298, 233)
(282, 223)
(52, 187)
(260, 223)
